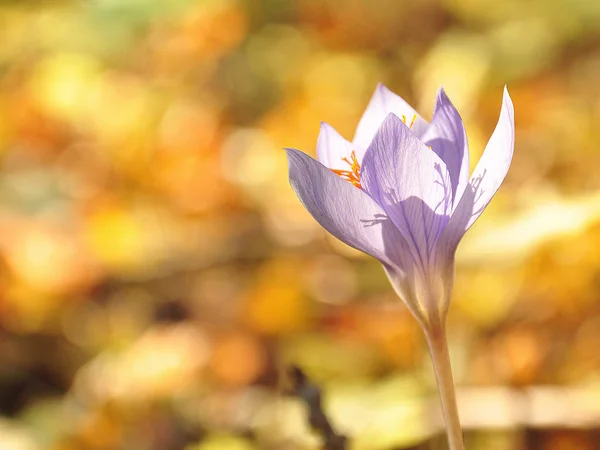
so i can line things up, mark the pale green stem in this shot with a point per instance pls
(438, 348)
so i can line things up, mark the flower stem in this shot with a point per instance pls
(438, 348)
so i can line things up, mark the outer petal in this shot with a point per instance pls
(486, 179)
(332, 147)
(345, 211)
(447, 137)
(411, 183)
(382, 103)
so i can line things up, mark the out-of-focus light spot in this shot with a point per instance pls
(568, 407)
(223, 442)
(216, 26)
(14, 437)
(393, 330)
(583, 355)
(331, 279)
(46, 259)
(278, 52)
(119, 239)
(164, 360)
(509, 408)
(25, 310)
(292, 124)
(524, 46)
(250, 158)
(516, 239)
(192, 181)
(460, 63)
(82, 171)
(277, 303)
(208, 30)
(226, 408)
(5, 130)
(118, 109)
(370, 413)
(484, 11)
(485, 296)
(99, 428)
(284, 420)
(519, 354)
(276, 309)
(65, 84)
(187, 127)
(129, 313)
(197, 243)
(215, 293)
(85, 324)
(339, 99)
(121, 114)
(325, 357)
(289, 223)
(237, 359)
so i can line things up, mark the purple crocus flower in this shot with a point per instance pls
(401, 191)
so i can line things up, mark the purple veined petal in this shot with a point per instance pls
(353, 217)
(332, 148)
(485, 180)
(381, 104)
(411, 183)
(447, 137)
(346, 211)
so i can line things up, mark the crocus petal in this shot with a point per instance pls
(332, 148)
(404, 285)
(447, 137)
(411, 183)
(382, 103)
(486, 179)
(344, 210)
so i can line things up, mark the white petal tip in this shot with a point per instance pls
(383, 89)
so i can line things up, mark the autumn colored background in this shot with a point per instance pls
(157, 272)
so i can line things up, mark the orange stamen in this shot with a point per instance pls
(353, 175)
(412, 122)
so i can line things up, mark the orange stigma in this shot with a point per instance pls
(353, 175)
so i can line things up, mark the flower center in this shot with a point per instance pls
(353, 175)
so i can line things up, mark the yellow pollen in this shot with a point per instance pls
(412, 121)
(353, 175)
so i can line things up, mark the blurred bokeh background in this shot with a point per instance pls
(158, 272)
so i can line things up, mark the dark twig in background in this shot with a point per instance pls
(310, 393)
